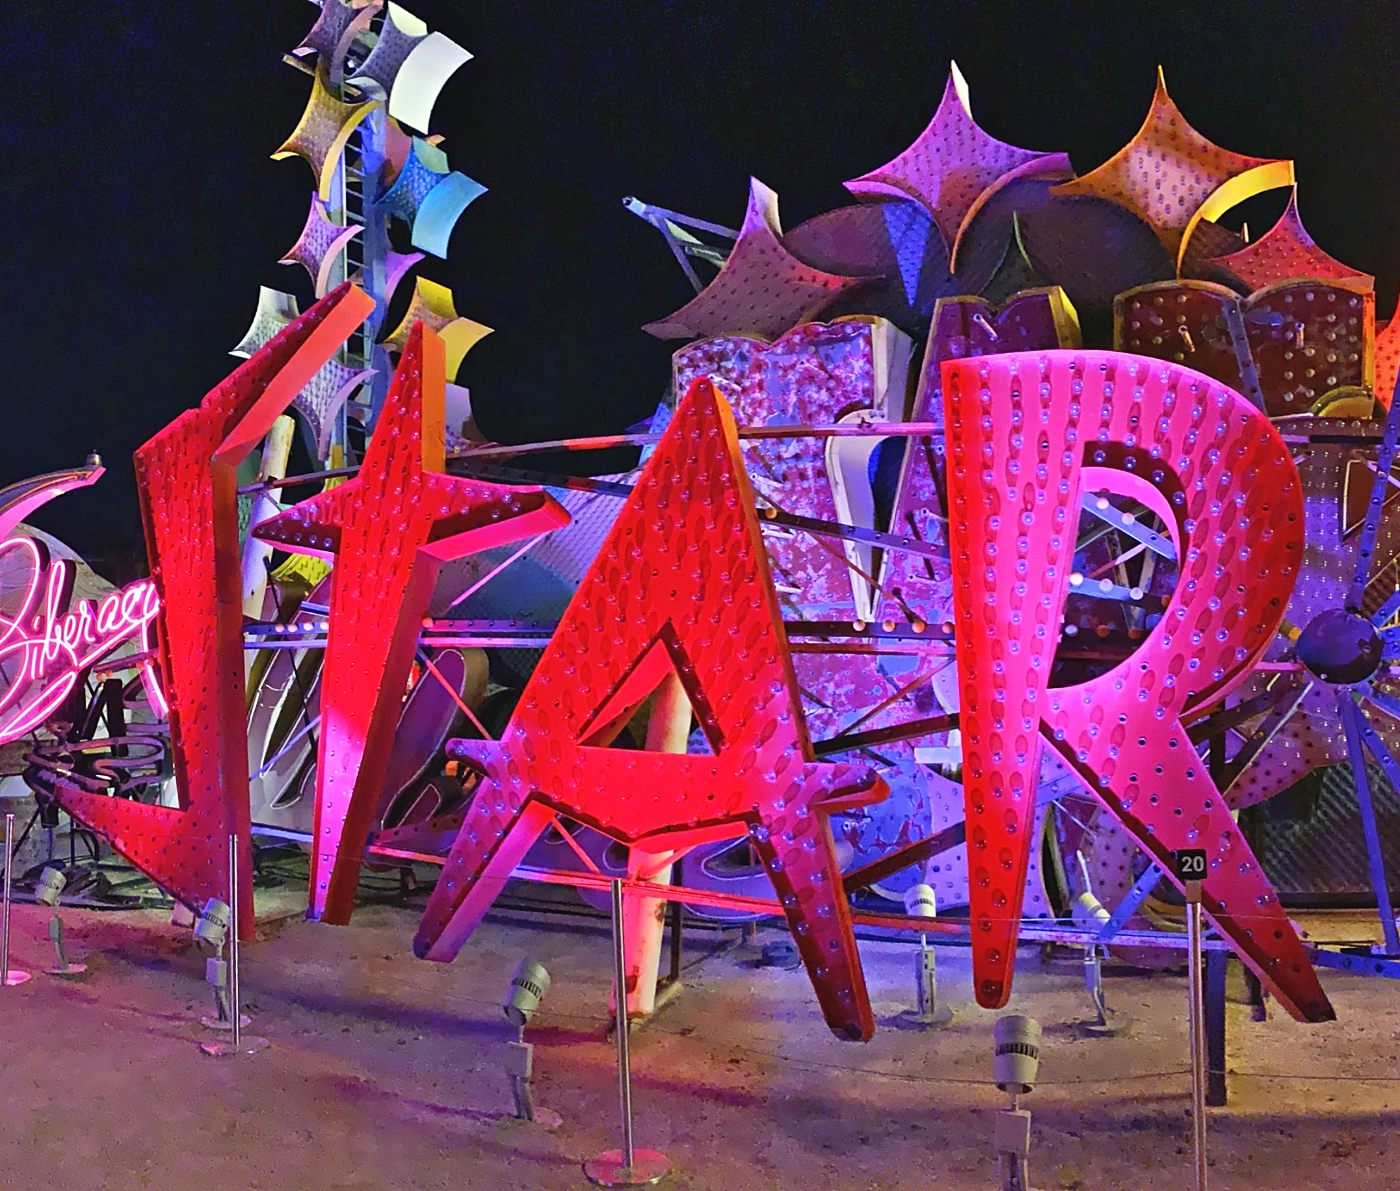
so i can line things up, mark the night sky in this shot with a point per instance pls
(141, 211)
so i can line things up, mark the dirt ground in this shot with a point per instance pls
(385, 1071)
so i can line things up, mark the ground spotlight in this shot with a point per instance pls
(1017, 1059)
(528, 985)
(1015, 1065)
(51, 884)
(211, 929)
(49, 889)
(921, 902)
(1105, 1022)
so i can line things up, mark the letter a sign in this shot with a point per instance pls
(681, 584)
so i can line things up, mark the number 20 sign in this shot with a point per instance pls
(1190, 864)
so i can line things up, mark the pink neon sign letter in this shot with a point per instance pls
(1026, 434)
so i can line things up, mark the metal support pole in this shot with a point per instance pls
(520, 1064)
(234, 1001)
(1359, 733)
(1015, 1174)
(1131, 903)
(1217, 967)
(1093, 984)
(1012, 1132)
(629, 1166)
(927, 1013)
(622, 1025)
(677, 918)
(925, 979)
(63, 966)
(216, 975)
(9, 860)
(1197, 1030)
(8, 976)
(1250, 828)
(236, 1043)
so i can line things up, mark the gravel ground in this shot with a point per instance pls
(387, 1071)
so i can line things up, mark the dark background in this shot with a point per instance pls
(140, 211)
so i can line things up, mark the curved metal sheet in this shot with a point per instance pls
(420, 79)
(440, 209)
(275, 311)
(761, 289)
(1287, 252)
(320, 244)
(1171, 177)
(951, 163)
(323, 131)
(432, 305)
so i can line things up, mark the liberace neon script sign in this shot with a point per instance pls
(47, 643)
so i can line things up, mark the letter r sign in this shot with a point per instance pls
(1028, 434)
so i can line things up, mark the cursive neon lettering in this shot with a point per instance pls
(48, 642)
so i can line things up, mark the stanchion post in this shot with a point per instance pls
(9, 977)
(1197, 1030)
(677, 921)
(1191, 865)
(5, 939)
(235, 1004)
(236, 1044)
(622, 1024)
(629, 1166)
